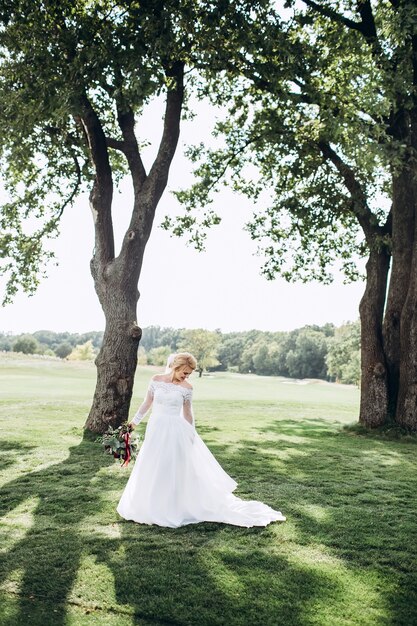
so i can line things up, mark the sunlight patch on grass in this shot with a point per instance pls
(222, 576)
(358, 596)
(9, 609)
(94, 585)
(295, 439)
(105, 531)
(289, 454)
(386, 458)
(316, 512)
(15, 525)
(313, 556)
(13, 583)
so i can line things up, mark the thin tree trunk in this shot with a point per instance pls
(374, 380)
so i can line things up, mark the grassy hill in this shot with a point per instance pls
(345, 556)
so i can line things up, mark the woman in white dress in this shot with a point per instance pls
(176, 480)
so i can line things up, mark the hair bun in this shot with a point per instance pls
(182, 359)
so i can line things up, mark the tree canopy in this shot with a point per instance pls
(306, 136)
(62, 63)
(321, 132)
(203, 344)
(74, 78)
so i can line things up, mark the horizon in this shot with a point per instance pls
(223, 332)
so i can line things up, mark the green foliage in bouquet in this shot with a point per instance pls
(120, 442)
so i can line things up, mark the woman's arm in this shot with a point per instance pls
(144, 407)
(188, 408)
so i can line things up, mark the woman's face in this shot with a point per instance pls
(180, 374)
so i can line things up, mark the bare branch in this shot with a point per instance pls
(96, 143)
(148, 189)
(387, 227)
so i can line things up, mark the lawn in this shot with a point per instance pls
(347, 554)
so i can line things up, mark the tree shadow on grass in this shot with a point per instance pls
(47, 553)
(356, 496)
(206, 574)
(11, 451)
(213, 574)
(210, 575)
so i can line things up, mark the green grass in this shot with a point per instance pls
(347, 554)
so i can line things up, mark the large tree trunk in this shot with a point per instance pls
(116, 278)
(402, 252)
(374, 379)
(117, 359)
(374, 375)
(116, 288)
(407, 396)
(406, 414)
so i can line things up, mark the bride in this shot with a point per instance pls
(176, 480)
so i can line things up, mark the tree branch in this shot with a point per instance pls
(387, 226)
(158, 175)
(101, 195)
(334, 15)
(366, 27)
(149, 189)
(126, 120)
(360, 207)
(229, 160)
(115, 144)
(413, 112)
(74, 192)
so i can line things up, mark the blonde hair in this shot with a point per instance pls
(182, 359)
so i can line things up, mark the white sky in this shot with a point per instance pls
(220, 288)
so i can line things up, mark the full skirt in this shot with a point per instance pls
(177, 481)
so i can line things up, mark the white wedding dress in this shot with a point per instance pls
(176, 480)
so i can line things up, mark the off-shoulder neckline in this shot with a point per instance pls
(166, 382)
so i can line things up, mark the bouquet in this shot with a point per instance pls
(121, 443)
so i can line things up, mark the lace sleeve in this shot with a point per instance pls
(145, 406)
(188, 407)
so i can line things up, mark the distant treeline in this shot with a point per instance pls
(324, 352)
(49, 343)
